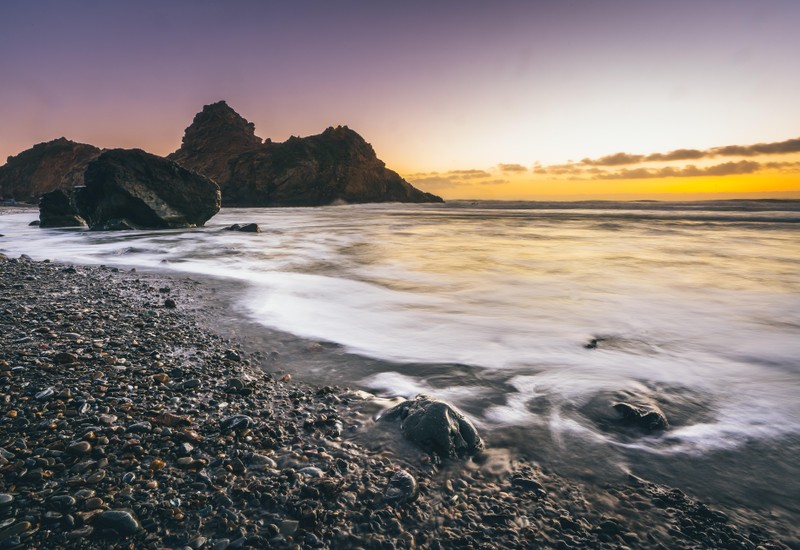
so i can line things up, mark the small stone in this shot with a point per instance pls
(169, 303)
(402, 487)
(236, 422)
(161, 377)
(6, 500)
(311, 471)
(44, 394)
(79, 448)
(140, 427)
(123, 522)
(65, 358)
(157, 465)
(289, 527)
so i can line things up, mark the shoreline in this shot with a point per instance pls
(134, 446)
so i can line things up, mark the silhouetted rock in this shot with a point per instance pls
(45, 167)
(335, 167)
(57, 209)
(646, 417)
(216, 136)
(129, 188)
(436, 427)
(246, 228)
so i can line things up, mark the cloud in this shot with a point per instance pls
(624, 159)
(433, 182)
(617, 159)
(677, 154)
(469, 174)
(512, 168)
(724, 169)
(497, 181)
(776, 148)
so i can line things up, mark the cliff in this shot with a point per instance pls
(57, 164)
(335, 166)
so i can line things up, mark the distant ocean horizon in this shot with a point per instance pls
(695, 306)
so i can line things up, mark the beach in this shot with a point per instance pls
(128, 422)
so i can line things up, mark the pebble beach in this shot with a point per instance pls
(127, 421)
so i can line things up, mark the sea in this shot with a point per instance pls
(531, 317)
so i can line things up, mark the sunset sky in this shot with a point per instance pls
(467, 99)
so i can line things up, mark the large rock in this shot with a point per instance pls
(646, 417)
(337, 166)
(132, 188)
(217, 135)
(436, 427)
(45, 167)
(57, 209)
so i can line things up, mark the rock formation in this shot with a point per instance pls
(129, 189)
(216, 136)
(45, 167)
(57, 209)
(436, 427)
(337, 166)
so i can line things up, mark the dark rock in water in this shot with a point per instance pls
(337, 166)
(45, 167)
(436, 427)
(57, 209)
(593, 343)
(402, 488)
(646, 417)
(134, 189)
(246, 228)
(35, 223)
(169, 303)
(123, 522)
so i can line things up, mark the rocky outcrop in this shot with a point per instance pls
(643, 416)
(436, 427)
(45, 167)
(57, 209)
(132, 188)
(337, 166)
(217, 135)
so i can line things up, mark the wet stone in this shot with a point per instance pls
(122, 522)
(140, 427)
(79, 448)
(5, 500)
(236, 422)
(402, 488)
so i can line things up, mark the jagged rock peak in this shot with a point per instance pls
(219, 123)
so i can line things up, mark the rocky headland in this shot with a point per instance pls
(336, 166)
(45, 167)
(126, 422)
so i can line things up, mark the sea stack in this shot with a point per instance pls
(334, 167)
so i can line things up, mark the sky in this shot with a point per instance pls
(560, 99)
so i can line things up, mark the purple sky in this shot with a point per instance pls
(432, 85)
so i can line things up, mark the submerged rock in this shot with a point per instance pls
(246, 228)
(436, 427)
(402, 488)
(646, 417)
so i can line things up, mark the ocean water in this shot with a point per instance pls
(490, 305)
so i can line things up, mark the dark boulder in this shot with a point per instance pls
(57, 209)
(643, 416)
(246, 228)
(129, 188)
(436, 427)
(45, 167)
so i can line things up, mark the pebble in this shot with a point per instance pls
(123, 522)
(156, 433)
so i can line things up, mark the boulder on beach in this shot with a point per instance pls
(436, 427)
(57, 209)
(129, 188)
